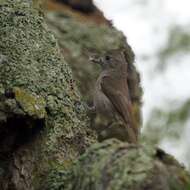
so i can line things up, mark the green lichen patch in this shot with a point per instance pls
(78, 37)
(33, 106)
(113, 165)
(109, 165)
(30, 60)
(19, 103)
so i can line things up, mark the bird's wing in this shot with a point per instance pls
(117, 92)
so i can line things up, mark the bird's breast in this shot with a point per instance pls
(101, 102)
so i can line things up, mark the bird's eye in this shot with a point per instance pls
(107, 58)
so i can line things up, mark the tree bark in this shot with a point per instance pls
(46, 138)
(32, 143)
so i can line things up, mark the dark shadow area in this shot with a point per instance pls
(16, 132)
(86, 6)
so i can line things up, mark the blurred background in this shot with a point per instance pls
(159, 33)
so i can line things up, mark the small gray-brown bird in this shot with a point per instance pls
(112, 101)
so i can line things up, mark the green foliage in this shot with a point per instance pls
(178, 44)
(169, 124)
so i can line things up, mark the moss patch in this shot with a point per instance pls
(30, 60)
(112, 165)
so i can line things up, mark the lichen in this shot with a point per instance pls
(113, 165)
(30, 60)
(33, 106)
(17, 103)
(31, 64)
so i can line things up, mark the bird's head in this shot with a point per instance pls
(110, 60)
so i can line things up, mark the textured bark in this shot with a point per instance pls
(43, 122)
(113, 165)
(46, 140)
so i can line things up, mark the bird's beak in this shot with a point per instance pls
(95, 59)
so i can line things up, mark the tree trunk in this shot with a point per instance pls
(46, 138)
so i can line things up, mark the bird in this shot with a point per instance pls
(111, 101)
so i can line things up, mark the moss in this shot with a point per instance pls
(79, 36)
(31, 65)
(17, 103)
(30, 60)
(33, 106)
(117, 166)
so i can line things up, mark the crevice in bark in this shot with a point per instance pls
(17, 133)
(19, 127)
